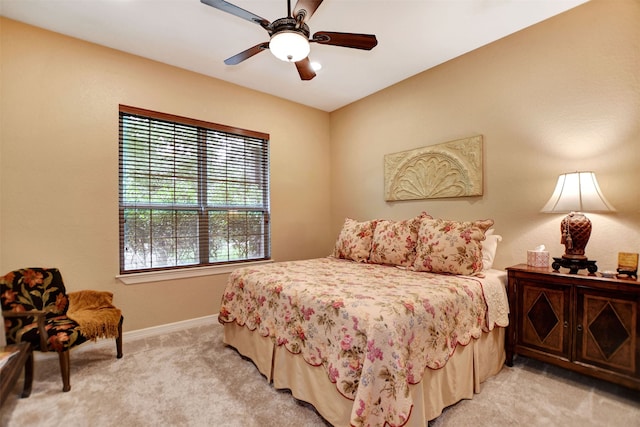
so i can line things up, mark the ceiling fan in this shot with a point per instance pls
(290, 35)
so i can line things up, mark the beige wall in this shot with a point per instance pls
(560, 96)
(59, 164)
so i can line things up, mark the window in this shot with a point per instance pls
(192, 193)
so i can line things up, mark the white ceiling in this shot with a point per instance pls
(413, 36)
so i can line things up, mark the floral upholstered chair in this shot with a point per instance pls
(37, 310)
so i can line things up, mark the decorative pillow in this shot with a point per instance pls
(394, 242)
(354, 241)
(489, 247)
(446, 246)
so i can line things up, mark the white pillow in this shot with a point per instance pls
(489, 246)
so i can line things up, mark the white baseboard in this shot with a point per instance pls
(170, 327)
(139, 334)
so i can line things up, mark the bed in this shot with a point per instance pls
(369, 343)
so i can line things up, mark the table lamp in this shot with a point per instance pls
(574, 194)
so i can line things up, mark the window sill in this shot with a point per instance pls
(157, 276)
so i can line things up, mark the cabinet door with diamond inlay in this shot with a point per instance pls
(544, 318)
(607, 328)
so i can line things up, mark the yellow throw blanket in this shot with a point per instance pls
(94, 312)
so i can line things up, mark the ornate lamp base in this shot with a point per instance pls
(574, 265)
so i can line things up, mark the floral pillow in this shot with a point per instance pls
(354, 241)
(394, 242)
(446, 246)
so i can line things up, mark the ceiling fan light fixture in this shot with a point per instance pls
(289, 46)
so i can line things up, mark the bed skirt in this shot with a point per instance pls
(459, 379)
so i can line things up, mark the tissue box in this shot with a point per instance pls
(538, 258)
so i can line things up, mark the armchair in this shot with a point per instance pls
(38, 310)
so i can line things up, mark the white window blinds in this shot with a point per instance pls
(192, 193)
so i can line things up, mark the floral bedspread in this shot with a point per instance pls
(374, 328)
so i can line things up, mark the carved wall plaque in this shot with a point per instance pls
(450, 169)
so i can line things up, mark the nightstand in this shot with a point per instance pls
(586, 323)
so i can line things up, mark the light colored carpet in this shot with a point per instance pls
(189, 378)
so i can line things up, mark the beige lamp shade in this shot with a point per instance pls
(577, 192)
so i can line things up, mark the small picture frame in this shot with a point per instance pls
(628, 264)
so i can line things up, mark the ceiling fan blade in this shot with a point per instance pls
(353, 40)
(305, 69)
(309, 6)
(237, 11)
(236, 59)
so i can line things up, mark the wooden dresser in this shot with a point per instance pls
(586, 323)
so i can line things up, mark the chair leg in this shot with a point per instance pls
(28, 374)
(65, 369)
(119, 339)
